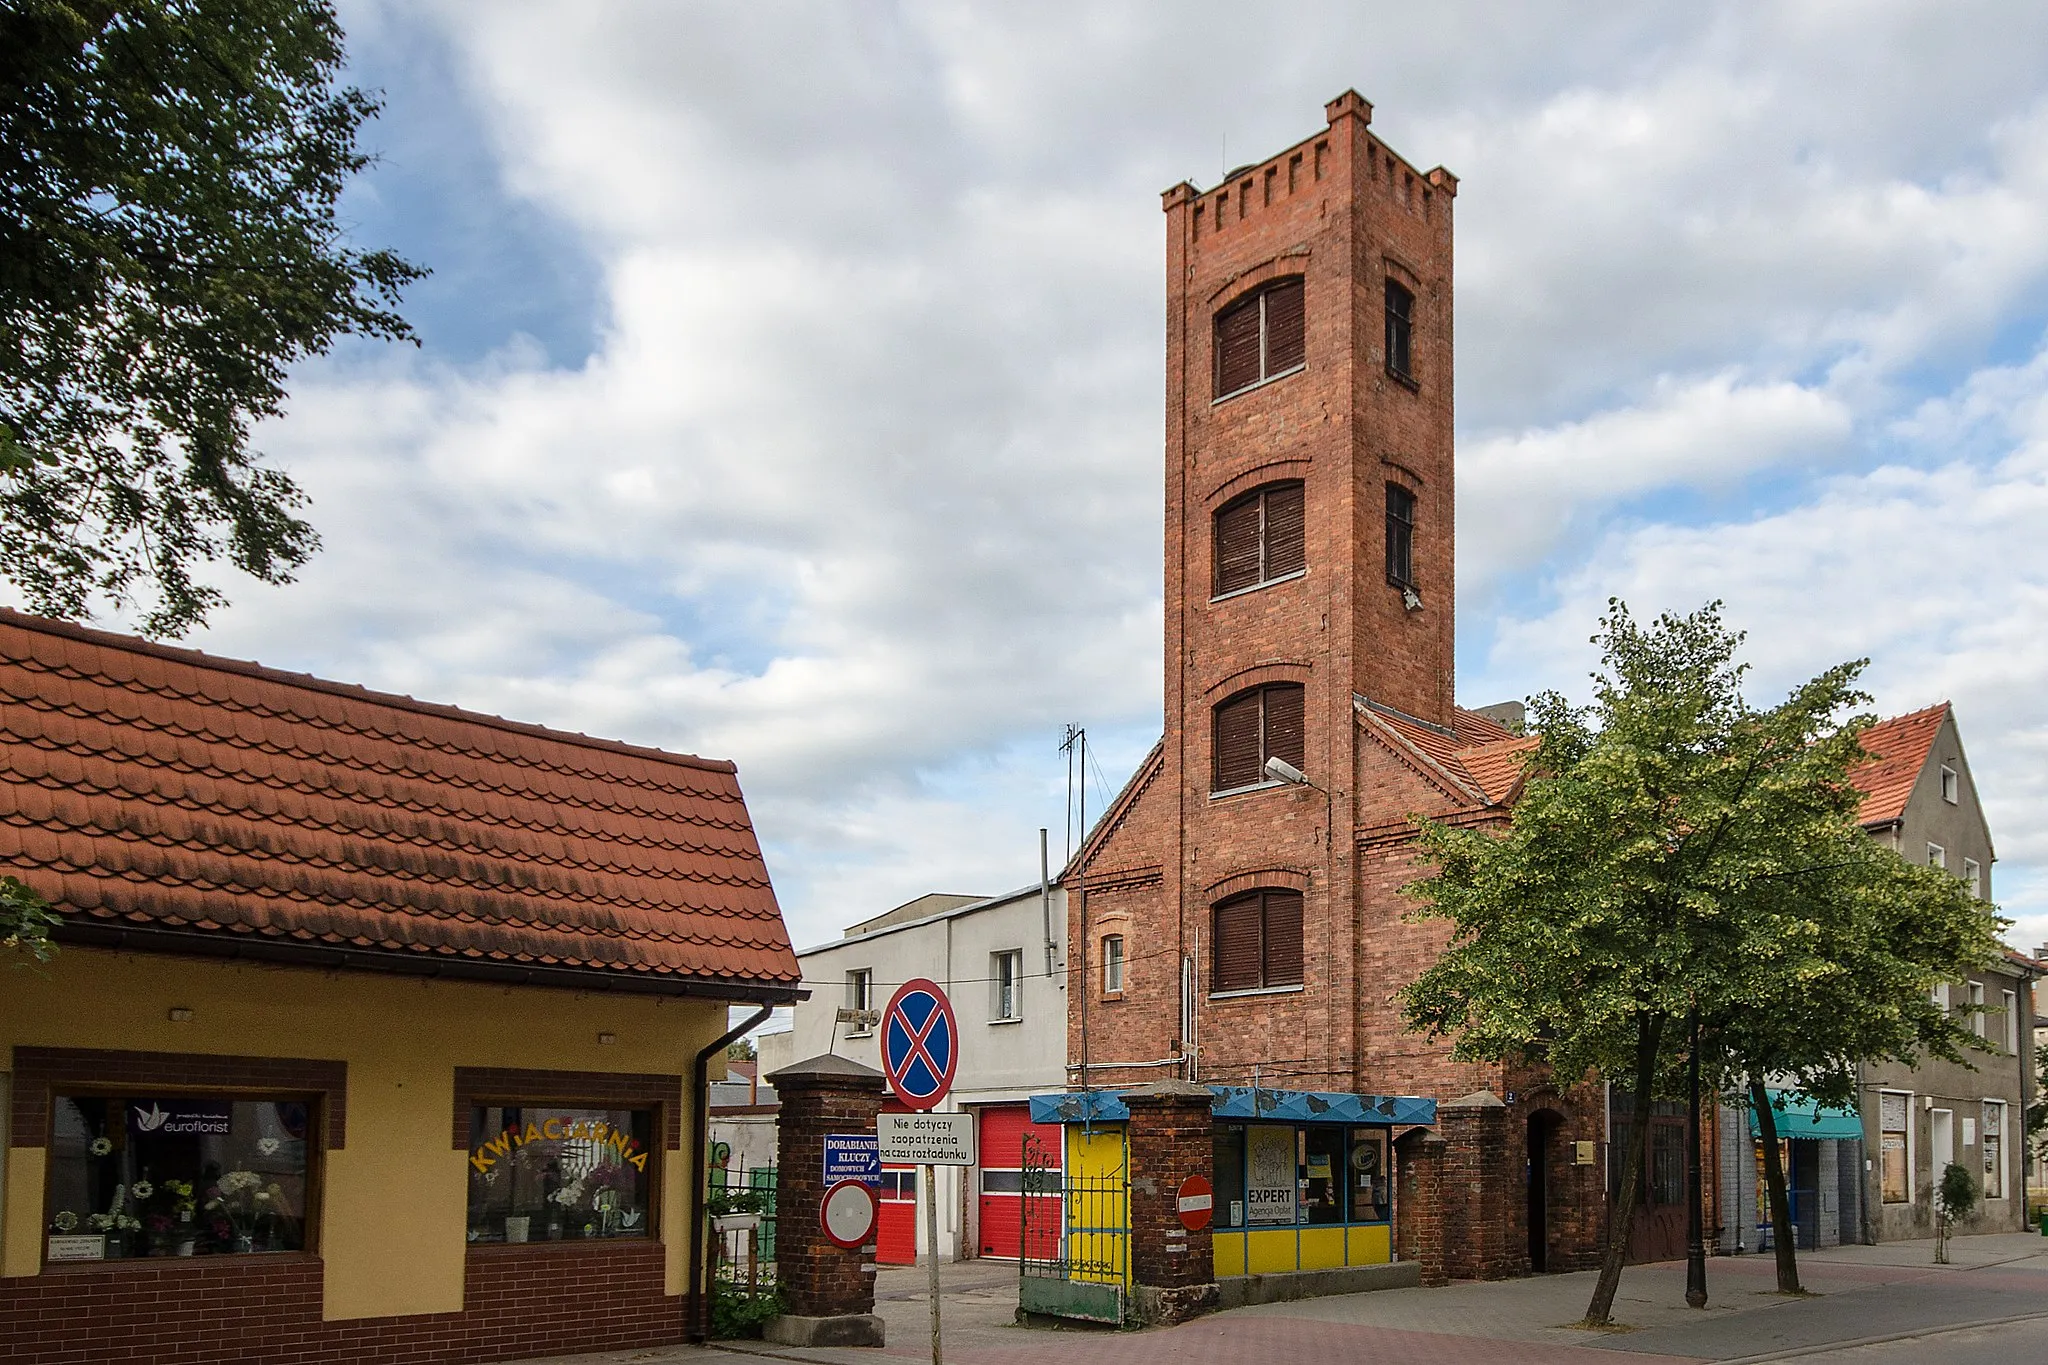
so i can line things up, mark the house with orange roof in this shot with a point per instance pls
(376, 1029)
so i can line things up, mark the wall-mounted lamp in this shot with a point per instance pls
(1280, 770)
(181, 1014)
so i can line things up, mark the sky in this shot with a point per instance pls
(791, 376)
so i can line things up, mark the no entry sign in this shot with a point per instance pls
(847, 1214)
(920, 1044)
(1194, 1201)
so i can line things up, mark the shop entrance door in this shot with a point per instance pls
(1541, 1151)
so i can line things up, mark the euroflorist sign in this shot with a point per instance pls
(621, 1142)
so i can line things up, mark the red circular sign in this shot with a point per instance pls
(920, 1044)
(847, 1214)
(1195, 1202)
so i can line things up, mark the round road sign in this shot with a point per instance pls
(920, 1044)
(1194, 1202)
(847, 1214)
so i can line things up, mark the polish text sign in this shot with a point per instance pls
(926, 1139)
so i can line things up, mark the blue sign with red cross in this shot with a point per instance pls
(920, 1044)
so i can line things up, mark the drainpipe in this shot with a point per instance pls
(696, 1319)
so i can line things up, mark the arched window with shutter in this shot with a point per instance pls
(1260, 336)
(1260, 539)
(1255, 941)
(1253, 726)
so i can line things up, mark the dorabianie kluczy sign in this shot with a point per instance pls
(852, 1156)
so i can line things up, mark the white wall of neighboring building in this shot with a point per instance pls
(1000, 1060)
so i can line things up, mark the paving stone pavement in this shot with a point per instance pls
(1882, 1305)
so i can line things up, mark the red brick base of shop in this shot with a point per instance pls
(517, 1301)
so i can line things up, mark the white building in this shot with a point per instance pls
(1002, 962)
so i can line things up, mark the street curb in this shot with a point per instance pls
(1819, 1348)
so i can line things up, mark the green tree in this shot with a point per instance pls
(169, 248)
(25, 923)
(1839, 961)
(1657, 826)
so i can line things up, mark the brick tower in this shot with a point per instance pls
(1243, 919)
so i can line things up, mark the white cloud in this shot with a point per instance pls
(861, 485)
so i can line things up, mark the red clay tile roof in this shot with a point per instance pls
(149, 789)
(1497, 768)
(1898, 749)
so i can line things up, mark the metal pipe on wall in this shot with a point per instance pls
(696, 1304)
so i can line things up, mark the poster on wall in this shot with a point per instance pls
(1269, 1174)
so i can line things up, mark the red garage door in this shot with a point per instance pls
(896, 1216)
(1003, 1130)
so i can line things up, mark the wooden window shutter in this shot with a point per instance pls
(1283, 938)
(1285, 551)
(1284, 737)
(1285, 327)
(1235, 950)
(1237, 545)
(1237, 346)
(1238, 759)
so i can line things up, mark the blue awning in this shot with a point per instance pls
(1246, 1102)
(1799, 1117)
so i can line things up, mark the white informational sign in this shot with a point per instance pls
(926, 1139)
(78, 1248)
(1269, 1174)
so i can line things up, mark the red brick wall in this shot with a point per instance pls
(523, 1301)
(1171, 1138)
(818, 1278)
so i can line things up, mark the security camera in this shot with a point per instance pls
(1280, 770)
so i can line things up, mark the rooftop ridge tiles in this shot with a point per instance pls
(241, 669)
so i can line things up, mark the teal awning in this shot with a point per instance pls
(1799, 1117)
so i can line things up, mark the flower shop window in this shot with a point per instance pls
(549, 1173)
(170, 1175)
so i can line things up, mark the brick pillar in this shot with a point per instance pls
(1171, 1138)
(1483, 1237)
(828, 1293)
(1419, 1212)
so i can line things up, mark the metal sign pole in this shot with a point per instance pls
(931, 1226)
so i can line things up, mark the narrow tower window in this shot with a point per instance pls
(1400, 331)
(1400, 536)
(1260, 336)
(1253, 726)
(1257, 941)
(1259, 538)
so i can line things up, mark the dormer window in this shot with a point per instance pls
(1259, 539)
(1261, 336)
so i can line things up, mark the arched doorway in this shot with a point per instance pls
(1542, 1155)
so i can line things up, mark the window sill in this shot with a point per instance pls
(1260, 586)
(1112, 995)
(1013, 1019)
(256, 1259)
(1256, 385)
(636, 1239)
(1295, 989)
(1406, 381)
(1240, 791)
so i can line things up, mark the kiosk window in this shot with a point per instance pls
(1371, 1194)
(1323, 1179)
(1228, 1181)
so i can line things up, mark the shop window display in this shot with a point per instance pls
(176, 1176)
(1275, 1175)
(548, 1173)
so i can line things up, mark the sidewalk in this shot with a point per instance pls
(1861, 1296)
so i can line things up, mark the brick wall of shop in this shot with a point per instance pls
(517, 1301)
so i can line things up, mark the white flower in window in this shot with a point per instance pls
(65, 1221)
(102, 1146)
(142, 1190)
(268, 1145)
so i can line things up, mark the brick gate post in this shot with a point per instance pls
(1419, 1216)
(1481, 1190)
(1170, 1136)
(828, 1293)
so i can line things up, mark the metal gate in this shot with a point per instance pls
(1081, 1268)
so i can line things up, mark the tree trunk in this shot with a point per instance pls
(1649, 1033)
(1782, 1237)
